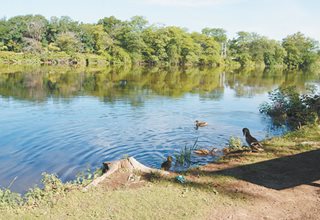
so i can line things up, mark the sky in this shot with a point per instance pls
(272, 18)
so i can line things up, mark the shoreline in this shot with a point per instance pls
(91, 59)
(233, 180)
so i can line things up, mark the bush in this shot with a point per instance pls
(53, 188)
(49, 194)
(9, 199)
(3, 47)
(69, 42)
(234, 144)
(288, 107)
(8, 57)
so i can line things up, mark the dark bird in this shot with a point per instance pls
(200, 124)
(123, 83)
(252, 142)
(167, 164)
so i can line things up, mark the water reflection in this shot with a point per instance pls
(38, 84)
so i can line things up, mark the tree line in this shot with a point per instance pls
(135, 41)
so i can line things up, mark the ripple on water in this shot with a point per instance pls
(65, 136)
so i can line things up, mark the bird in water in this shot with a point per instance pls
(167, 164)
(254, 144)
(200, 124)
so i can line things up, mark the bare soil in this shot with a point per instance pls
(281, 188)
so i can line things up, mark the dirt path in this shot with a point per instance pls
(282, 188)
(301, 202)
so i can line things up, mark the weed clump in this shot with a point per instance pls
(52, 189)
(183, 157)
(9, 199)
(288, 107)
(234, 144)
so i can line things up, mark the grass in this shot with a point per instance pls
(305, 139)
(155, 201)
(160, 198)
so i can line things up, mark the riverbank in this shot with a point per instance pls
(49, 58)
(77, 59)
(280, 183)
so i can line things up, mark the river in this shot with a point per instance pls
(64, 120)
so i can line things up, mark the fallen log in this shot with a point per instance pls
(130, 165)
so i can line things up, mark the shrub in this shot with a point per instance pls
(234, 144)
(3, 47)
(9, 199)
(289, 107)
(49, 194)
(85, 177)
(69, 42)
(52, 189)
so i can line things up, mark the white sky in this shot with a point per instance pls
(272, 18)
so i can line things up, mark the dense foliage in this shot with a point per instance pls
(136, 41)
(288, 106)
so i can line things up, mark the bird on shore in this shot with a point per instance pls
(206, 152)
(167, 164)
(200, 124)
(253, 143)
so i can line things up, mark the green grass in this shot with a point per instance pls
(305, 139)
(163, 200)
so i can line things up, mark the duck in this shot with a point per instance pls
(200, 124)
(205, 152)
(167, 164)
(254, 144)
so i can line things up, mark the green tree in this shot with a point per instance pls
(60, 25)
(250, 48)
(112, 26)
(4, 30)
(219, 34)
(69, 42)
(301, 50)
(209, 49)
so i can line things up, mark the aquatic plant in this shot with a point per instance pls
(183, 157)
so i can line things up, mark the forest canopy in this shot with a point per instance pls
(135, 41)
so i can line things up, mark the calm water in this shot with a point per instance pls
(64, 120)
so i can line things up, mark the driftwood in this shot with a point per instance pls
(130, 164)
